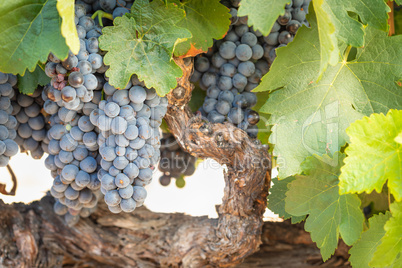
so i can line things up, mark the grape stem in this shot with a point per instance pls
(14, 179)
(101, 14)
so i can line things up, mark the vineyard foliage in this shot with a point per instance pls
(337, 85)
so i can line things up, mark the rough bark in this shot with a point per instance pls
(33, 236)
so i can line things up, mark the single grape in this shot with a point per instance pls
(164, 180)
(223, 107)
(285, 18)
(217, 60)
(209, 104)
(276, 27)
(236, 115)
(128, 205)
(244, 52)
(76, 79)
(298, 14)
(246, 68)
(68, 94)
(241, 29)
(90, 81)
(293, 26)
(225, 83)
(121, 180)
(227, 49)
(252, 117)
(272, 39)
(201, 64)
(249, 38)
(226, 96)
(96, 60)
(258, 52)
(112, 198)
(112, 109)
(209, 79)
(232, 36)
(285, 37)
(180, 183)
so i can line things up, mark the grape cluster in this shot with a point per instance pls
(76, 80)
(31, 127)
(98, 146)
(74, 92)
(8, 123)
(234, 66)
(73, 159)
(174, 162)
(129, 143)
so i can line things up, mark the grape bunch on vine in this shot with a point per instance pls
(109, 91)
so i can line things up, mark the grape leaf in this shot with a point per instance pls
(30, 81)
(142, 43)
(68, 28)
(363, 250)
(311, 117)
(316, 193)
(262, 14)
(276, 199)
(390, 249)
(350, 30)
(328, 41)
(335, 23)
(30, 30)
(373, 155)
(197, 99)
(264, 130)
(398, 138)
(206, 20)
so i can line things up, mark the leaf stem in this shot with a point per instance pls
(102, 14)
(346, 54)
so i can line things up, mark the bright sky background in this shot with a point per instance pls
(202, 192)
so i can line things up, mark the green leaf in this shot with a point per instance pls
(362, 252)
(262, 14)
(30, 30)
(328, 41)
(390, 249)
(335, 23)
(398, 138)
(30, 81)
(311, 117)
(277, 196)
(373, 155)
(316, 193)
(197, 99)
(206, 20)
(264, 129)
(142, 43)
(68, 28)
(350, 30)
